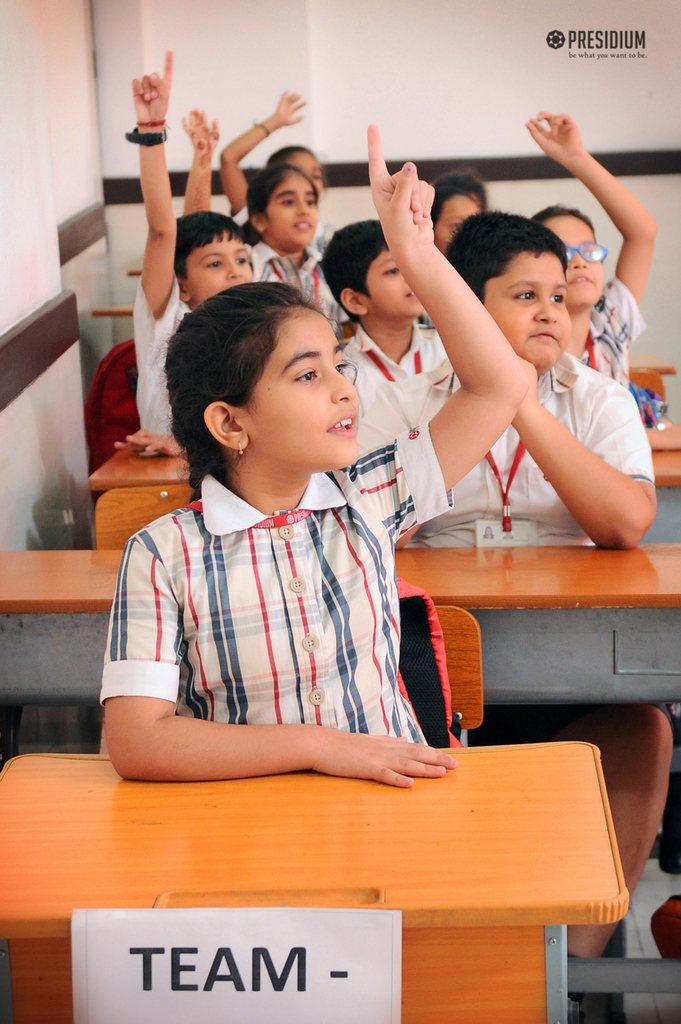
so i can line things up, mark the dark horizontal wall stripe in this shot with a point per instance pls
(81, 231)
(32, 345)
(503, 168)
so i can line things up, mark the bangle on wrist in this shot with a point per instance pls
(261, 124)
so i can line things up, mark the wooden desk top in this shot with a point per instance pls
(667, 466)
(127, 469)
(495, 842)
(648, 361)
(574, 577)
(547, 577)
(57, 581)
(112, 311)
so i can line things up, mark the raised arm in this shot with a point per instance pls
(233, 178)
(558, 135)
(204, 138)
(493, 380)
(151, 96)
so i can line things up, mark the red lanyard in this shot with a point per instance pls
(315, 279)
(506, 519)
(591, 351)
(285, 519)
(384, 369)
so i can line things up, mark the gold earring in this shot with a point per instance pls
(241, 451)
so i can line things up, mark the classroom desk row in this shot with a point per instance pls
(558, 624)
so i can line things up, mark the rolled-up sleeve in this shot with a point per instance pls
(145, 629)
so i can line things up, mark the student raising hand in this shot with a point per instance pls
(398, 194)
(203, 135)
(151, 95)
(204, 138)
(560, 140)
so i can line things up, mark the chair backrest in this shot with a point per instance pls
(124, 510)
(110, 409)
(463, 646)
(649, 379)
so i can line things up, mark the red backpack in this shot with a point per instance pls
(110, 409)
(423, 675)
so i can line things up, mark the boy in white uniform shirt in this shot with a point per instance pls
(389, 345)
(585, 474)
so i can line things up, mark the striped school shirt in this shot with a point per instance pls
(292, 619)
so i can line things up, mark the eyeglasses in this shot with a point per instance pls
(592, 252)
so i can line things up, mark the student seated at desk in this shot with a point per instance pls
(574, 465)
(605, 320)
(273, 603)
(185, 261)
(366, 282)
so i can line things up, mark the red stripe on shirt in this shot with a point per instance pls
(157, 603)
(301, 605)
(367, 591)
(266, 627)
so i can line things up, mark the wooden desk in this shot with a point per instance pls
(112, 311)
(75, 836)
(667, 526)
(648, 361)
(127, 469)
(563, 625)
(667, 466)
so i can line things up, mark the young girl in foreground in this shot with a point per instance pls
(274, 603)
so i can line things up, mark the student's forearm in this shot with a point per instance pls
(233, 178)
(628, 215)
(199, 184)
(614, 510)
(155, 182)
(482, 358)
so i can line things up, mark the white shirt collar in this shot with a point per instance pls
(266, 253)
(367, 344)
(561, 377)
(225, 512)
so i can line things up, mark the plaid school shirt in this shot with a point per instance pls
(287, 619)
(616, 322)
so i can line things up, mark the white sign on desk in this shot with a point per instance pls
(283, 965)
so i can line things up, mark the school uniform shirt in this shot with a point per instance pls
(595, 409)
(308, 278)
(616, 322)
(294, 619)
(374, 367)
(151, 344)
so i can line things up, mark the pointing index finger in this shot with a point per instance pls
(168, 70)
(378, 170)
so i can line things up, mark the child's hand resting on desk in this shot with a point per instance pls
(396, 762)
(561, 140)
(402, 202)
(151, 95)
(203, 135)
(144, 442)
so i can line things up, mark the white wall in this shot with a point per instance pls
(43, 471)
(441, 79)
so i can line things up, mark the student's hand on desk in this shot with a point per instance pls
(151, 95)
(395, 762)
(402, 202)
(143, 441)
(203, 135)
(561, 140)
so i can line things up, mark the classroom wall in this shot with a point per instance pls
(441, 79)
(46, 174)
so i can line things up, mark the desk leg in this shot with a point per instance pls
(555, 938)
(10, 723)
(6, 1010)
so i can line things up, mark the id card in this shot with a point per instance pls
(489, 533)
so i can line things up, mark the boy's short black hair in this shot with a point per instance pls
(486, 243)
(563, 211)
(195, 230)
(461, 181)
(349, 255)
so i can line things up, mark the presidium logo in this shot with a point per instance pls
(591, 42)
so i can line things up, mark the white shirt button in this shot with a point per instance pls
(316, 696)
(309, 643)
(297, 585)
(285, 532)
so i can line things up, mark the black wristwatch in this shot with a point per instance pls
(146, 138)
